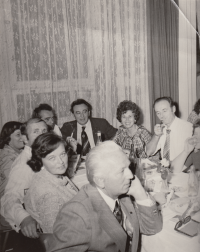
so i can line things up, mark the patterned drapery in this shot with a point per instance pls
(54, 51)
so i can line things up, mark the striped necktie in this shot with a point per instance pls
(166, 150)
(85, 142)
(118, 212)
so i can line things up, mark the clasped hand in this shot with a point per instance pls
(136, 190)
(72, 142)
(158, 129)
(29, 227)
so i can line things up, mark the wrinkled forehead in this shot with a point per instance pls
(36, 126)
(161, 105)
(80, 108)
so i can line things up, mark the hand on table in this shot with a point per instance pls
(72, 142)
(136, 190)
(29, 227)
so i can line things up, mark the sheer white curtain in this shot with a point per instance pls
(54, 51)
(187, 56)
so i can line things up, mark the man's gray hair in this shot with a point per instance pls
(100, 159)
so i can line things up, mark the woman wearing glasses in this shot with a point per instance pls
(50, 189)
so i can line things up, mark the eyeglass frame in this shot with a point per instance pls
(181, 222)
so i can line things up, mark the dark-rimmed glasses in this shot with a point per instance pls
(182, 222)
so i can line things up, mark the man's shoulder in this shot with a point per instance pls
(69, 124)
(20, 163)
(183, 123)
(80, 201)
(97, 120)
(87, 193)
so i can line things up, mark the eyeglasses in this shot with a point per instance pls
(182, 222)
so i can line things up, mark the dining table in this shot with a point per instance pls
(169, 239)
(77, 171)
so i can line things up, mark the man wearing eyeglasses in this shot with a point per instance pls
(47, 114)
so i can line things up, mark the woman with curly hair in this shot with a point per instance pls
(50, 188)
(11, 144)
(195, 114)
(128, 113)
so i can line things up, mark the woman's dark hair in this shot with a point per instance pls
(124, 106)
(42, 146)
(197, 107)
(7, 130)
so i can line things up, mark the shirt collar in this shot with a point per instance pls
(109, 201)
(86, 125)
(173, 124)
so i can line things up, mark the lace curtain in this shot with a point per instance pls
(55, 51)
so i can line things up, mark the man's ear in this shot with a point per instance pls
(99, 182)
(173, 109)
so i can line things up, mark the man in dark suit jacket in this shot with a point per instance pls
(82, 111)
(89, 221)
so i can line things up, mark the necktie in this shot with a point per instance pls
(85, 142)
(166, 151)
(118, 212)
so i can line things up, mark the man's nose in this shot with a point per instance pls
(82, 115)
(129, 174)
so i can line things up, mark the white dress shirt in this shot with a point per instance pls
(57, 130)
(88, 130)
(180, 131)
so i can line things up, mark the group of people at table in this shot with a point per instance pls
(108, 213)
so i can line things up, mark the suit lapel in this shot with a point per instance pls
(94, 130)
(75, 130)
(107, 220)
(128, 208)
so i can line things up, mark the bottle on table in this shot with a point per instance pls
(99, 140)
(193, 183)
(136, 166)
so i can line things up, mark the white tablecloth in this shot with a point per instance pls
(169, 240)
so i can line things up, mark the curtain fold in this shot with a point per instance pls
(187, 56)
(55, 51)
(162, 40)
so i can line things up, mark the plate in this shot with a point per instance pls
(179, 205)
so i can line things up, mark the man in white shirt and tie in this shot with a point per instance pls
(73, 131)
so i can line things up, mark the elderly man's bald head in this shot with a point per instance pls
(101, 159)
